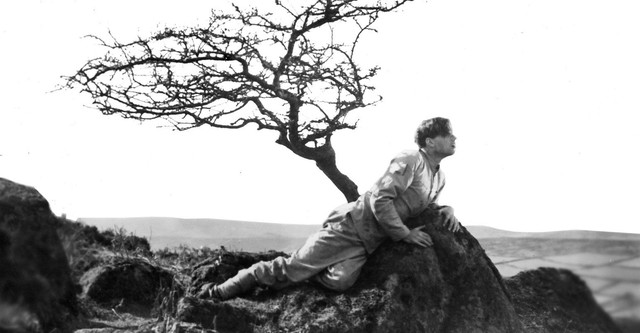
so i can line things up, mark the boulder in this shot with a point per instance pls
(557, 300)
(36, 289)
(130, 285)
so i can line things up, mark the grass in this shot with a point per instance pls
(86, 248)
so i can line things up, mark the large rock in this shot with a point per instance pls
(36, 289)
(557, 300)
(450, 287)
(130, 285)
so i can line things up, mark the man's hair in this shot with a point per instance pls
(431, 128)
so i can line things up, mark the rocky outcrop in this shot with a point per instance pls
(131, 285)
(557, 300)
(36, 289)
(450, 287)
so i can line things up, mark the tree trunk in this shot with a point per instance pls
(325, 158)
(348, 188)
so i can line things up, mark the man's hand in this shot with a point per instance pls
(448, 219)
(418, 237)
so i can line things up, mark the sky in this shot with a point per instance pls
(543, 97)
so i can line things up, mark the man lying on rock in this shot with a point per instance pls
(335, 255)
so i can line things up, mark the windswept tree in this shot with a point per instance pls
(293, 71)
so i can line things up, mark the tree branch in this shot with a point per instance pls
(273, 70)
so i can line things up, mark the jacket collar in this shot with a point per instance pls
(426, 157)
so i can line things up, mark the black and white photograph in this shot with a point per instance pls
(319, 166)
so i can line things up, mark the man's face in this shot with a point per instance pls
(444, 145)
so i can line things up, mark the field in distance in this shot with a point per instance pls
(257, 236)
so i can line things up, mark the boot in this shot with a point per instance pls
(209, 290)
(242, 282)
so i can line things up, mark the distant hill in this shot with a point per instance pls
(257, 236)
(482, 232)
(239, 235)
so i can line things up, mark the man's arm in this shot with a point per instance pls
(395, 181)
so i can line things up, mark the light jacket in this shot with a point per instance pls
(406, 189)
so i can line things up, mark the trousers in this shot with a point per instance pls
(333, 257)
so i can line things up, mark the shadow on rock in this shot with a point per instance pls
(557, 300)
(132, 286)
(36, 289)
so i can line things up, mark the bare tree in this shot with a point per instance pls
(292, 71)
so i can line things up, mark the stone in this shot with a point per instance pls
(557, 300)
(130, 285)
(450, 287)
(35, 278)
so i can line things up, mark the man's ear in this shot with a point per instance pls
(428, 142)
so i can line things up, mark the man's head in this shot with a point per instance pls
(435, 134)
(431, 128)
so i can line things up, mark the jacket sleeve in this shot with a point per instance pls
(394, 182)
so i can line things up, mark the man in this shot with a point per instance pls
(335, 255)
